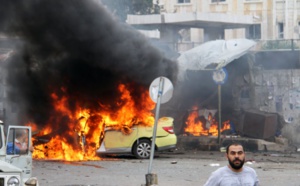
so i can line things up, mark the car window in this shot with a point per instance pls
(18, 141)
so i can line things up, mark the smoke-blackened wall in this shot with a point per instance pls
(74, 48)
(200, 91)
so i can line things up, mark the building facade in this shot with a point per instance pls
(271, 84)
(272, 19)
(199, 21)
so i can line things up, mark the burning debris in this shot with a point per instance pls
(203, 123)
(76, 71)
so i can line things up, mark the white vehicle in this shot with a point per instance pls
(15, 160)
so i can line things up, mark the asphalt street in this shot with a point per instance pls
(188, 168)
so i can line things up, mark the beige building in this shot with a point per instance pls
(271, 84)
(198, 21)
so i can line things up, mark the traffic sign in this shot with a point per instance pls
(220, 76)
(167, 89)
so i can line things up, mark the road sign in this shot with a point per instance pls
(167, 91)
(220, 76)
(161, 91)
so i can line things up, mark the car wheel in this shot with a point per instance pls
(142, 149)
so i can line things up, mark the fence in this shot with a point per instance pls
(261, 45)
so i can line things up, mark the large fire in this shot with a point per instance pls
(208, 127)
(84, 131)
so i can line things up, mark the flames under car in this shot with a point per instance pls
(138, 140)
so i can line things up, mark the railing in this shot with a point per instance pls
(261, 45)
(282, 44)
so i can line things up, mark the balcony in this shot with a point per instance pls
(191, 19)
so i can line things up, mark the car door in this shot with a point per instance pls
(118, 140)
(2, 144)
(20, 158)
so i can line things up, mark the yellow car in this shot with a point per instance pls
(138, 141)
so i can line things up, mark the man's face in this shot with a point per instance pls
(24, 137)
(236, 156)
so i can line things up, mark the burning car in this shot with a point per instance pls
(16, 165)
(137, 140)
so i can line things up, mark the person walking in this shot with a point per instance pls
(235, 173)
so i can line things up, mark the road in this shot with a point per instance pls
(189, 168)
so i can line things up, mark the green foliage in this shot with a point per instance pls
(279, 44)
(121, 8)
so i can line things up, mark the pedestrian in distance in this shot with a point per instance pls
(235, 173)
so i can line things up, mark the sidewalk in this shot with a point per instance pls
(177, 168)
(210, 143)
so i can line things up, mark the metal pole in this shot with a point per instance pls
(219, 128)
(159, 95)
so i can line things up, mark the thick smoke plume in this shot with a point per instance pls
(75, 48)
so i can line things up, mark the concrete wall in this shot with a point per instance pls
(275, 88)
(268, 83)
(278, 91)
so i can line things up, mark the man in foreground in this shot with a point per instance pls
(235, 173)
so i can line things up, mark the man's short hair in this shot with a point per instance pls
(235, 143)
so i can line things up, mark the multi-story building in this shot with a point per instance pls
(271, 83)
(198, 21)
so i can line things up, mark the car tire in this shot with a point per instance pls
(142, 149)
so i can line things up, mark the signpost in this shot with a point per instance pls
(161, 91)
(220, 77)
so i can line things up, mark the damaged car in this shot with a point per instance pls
(138, 139)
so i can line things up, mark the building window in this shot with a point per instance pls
(254, 32)
(217, 1)
(184, 1)
(280, 30)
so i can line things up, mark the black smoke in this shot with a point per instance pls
(74, 48)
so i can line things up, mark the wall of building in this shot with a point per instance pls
(278, 91)
(270, 14)
(274, 87)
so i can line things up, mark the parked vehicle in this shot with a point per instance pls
(15, 160)
(138, 140)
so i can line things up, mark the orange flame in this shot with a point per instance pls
(196, 127)
(85, 127)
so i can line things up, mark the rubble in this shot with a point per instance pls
(210, 143)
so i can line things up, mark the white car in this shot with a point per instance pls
(15, 167)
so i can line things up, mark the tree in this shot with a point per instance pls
(121, 8)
